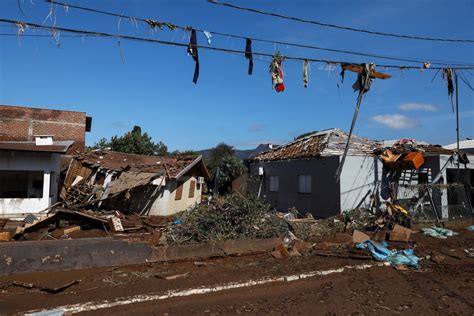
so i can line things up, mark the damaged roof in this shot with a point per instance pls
(60, 146)
(330, 142)
(173, 166)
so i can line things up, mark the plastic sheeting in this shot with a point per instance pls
(394, 257)
(438, 232)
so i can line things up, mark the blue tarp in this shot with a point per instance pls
(394, 257)
(438, 232)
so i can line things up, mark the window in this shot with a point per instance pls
(21, 184)
(274, 185)
(192, 187)
(304, 183)
(179, 190)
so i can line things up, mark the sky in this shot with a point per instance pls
(150, 85)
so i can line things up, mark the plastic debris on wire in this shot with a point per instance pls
(395, 257)
(438, 232)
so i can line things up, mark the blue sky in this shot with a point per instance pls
(153, 87)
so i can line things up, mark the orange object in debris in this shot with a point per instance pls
(411, 160)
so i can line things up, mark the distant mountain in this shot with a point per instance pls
(241, 153)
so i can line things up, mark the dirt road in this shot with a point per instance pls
(308, 285)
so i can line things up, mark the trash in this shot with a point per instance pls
(394, 257)
(469, 252)
(30, 218)
(200, 263)
(294, 253)
(470, 228)
(438, 232)
(116, 224)
(282, 250)
(359, 237)
(172, 277)
(400, 233)
(5, 236)
(51, 290)
(436, 258)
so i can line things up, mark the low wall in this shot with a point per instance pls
(65, 255)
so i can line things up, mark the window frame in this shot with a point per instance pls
(306, 190)
(271, 187)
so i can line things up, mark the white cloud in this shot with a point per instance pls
(418, 107)
(395, 121)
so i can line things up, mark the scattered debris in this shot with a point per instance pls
(359, 237)
(394, 257)
(231, 217)
(172, 277)
(400, 233)
(438, 232)
(470, 228)
(51, 290)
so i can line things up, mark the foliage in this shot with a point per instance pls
(230, 168)
(133, 142)
(222, 159)
(184, 153)
(230, 217)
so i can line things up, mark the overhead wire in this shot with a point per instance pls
(212, 48)
(313, 47)
(413, 37)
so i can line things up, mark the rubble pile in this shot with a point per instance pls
(231, 217)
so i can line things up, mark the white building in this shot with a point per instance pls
(29, 175)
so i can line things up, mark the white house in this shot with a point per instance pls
(29, 175)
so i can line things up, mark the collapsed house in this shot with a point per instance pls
(301, 174)
(147, 185)
(29, 174)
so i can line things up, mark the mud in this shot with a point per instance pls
(437, 287)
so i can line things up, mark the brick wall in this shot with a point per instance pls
(22, 123)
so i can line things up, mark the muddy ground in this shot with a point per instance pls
(443, 284)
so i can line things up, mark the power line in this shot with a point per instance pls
(56, 29)
(155, 23)
(413, 37)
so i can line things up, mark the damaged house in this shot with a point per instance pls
(301, 174)
(147, 185)
(29, 175)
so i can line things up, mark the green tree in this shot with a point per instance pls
(133, 142)
(224, 166)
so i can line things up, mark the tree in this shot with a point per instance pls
(230, 168)
(224, 166)
(133, 142)
(218, 153)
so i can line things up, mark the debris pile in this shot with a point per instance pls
(231, 217)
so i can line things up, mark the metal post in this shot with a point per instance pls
(457, 115)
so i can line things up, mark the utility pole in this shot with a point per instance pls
(457, 114)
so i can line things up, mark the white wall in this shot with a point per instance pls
(357, 178)
(28, 161)
(166, 204)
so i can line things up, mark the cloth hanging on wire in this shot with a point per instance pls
(208, 36)
(362, 84)
(277, 72)
(448, 76)
(305, 73)
(248, 54)
(193, 51)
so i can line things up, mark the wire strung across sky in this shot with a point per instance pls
(413, 37)
(55, 29)
(151, 22)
